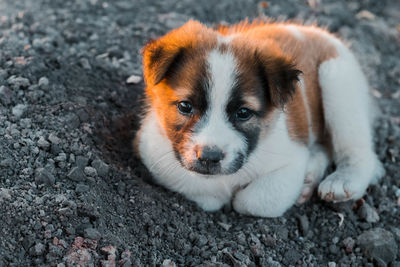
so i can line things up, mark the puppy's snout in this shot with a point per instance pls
(209, 155)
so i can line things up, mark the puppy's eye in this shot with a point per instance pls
(185, 107)
(243, 114)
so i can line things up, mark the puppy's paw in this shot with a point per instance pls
(310, 183)
(209, 203)
(248, 203)
(342, 185)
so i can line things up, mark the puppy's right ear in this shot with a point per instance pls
(159, 56)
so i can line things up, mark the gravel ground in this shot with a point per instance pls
(71, 192)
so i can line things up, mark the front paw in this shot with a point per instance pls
(248, 203)
(209, 203)
(342, 185)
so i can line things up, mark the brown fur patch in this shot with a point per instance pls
(307, 53)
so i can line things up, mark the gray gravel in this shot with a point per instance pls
(71, 191)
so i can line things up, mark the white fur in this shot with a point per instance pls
(285, 159)
(218, 131)
(346, 108)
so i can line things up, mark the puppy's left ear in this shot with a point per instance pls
(278, 76)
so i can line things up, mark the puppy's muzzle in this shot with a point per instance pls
(208, 159)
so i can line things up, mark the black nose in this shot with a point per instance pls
(209, 156)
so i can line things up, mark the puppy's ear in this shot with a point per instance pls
(161, 56)
(278, 76)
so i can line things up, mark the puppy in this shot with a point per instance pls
(254, 113)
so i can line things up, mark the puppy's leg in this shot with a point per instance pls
(346, 109)
(316, 166)
(272, 194)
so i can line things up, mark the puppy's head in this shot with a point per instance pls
(215, 96)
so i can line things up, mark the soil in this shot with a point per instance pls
(72, 192)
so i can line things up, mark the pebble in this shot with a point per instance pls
(168, 263)
(135, 79)
(18, 82)
(5, 95)
(62, 157)
(101, 168)
(378, 244)
(37, 249)
(304, 224)
(43, 83)
(19, 110)
(349, 244)
(90, 171)
(92, 233)
(43, 176)
(43, 143)
(76, 174)
(5, 193)
(81, 161)
(201, 241)
(85, 63)
(54, 139)
(81, 188)
(367, 213)
(397, 192)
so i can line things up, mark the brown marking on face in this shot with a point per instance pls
(307, 53)
(175, 70)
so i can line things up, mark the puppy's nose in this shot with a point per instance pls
(209, 155)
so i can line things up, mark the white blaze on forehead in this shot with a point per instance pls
(217, 130)
(222, 72)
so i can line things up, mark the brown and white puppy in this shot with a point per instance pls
(254, 114)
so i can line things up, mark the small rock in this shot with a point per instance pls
(291, 256)
(331, 264)
(110, 252)
(25, 123)
(43, 176)
(54, 139)
(378, 244)
(349, 244)
(134, 79)
(5, 193)
(225, 226)
(168, 263)
(76, 174)
(62, 157)
(18, 82)
(201, 241)
(5, 95)
(81, 188)
(92, 233)
(37, 249)
(271, 263)
(19, 110)
(43, 143)
(84, 62)
(367, 213)
(90, 171)
(304, 224)
(81, 161)
(101, 167)
(43, 83)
